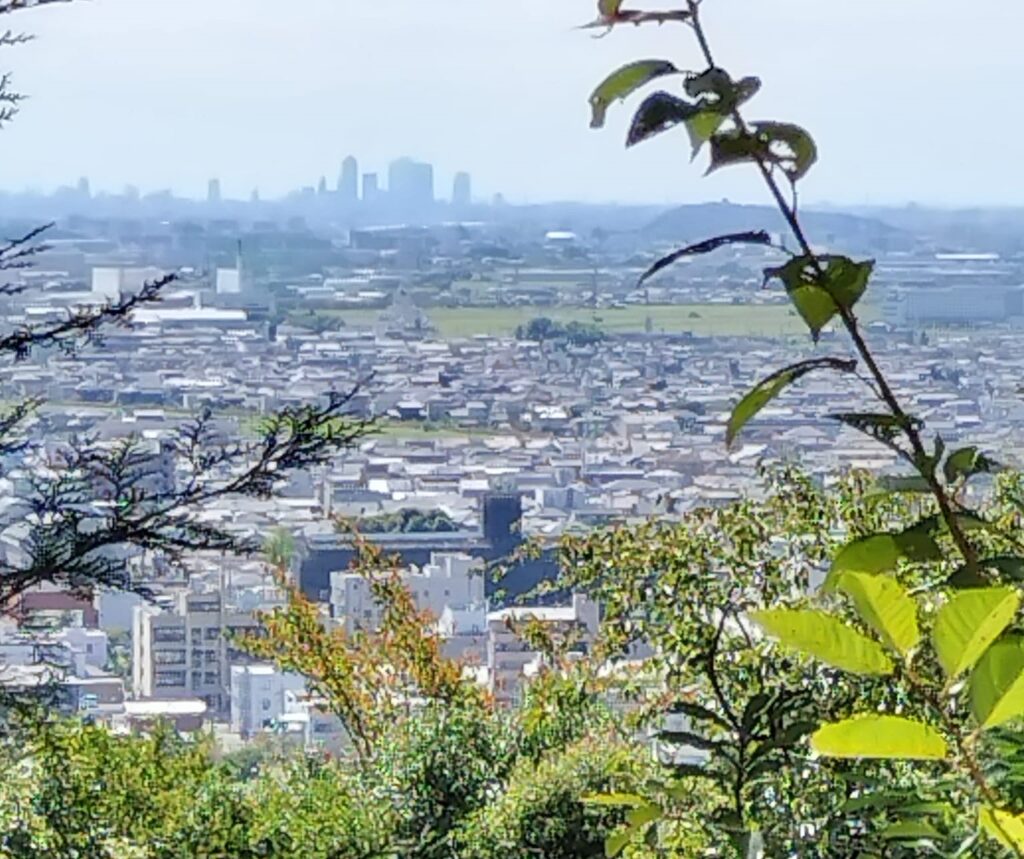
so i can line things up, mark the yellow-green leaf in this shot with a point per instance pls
(969, 623)
(997, 683)
(1004, 827)
(764, 392)
(885, 606)
(825, 637)
(624, 81)
(876, 736)
(629, 800)
(644, 814)
(881, 553)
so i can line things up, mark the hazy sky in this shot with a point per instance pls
(274, 93)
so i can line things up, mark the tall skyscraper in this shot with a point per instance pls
(410, 183)
(213, 191)
(371, 188)
(348, 181)
(321, 188)
(84, 191)
(462, 190)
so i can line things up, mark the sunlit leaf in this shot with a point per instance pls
(624, 81)
(885, 606)
(910, 830)
(969, 623)
(815, 633)
(609, 8)
(616, 800)
(967, 462)
(997, 683)
(657, 113)
(758, 237)
(644, 814)
(701, 126)
(876, 736)
(1004, 827)
(881, 553)
(765, 391)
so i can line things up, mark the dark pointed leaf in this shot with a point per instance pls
(767, 390)
(1009, 568)
(657, 113)
(759, 237)
(699, 713)
(883, 428)
(624, 81)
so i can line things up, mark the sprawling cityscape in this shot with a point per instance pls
(521, 385)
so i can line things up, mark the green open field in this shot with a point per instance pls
(723, 320)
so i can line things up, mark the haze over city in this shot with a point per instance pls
(165, 95)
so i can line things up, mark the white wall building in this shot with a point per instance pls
(184, 652)
(450, 580)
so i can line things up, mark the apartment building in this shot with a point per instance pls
(185, 650)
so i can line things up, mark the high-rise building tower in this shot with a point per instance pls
(462, 190)
(410, 183)
(348, 181)
(84, 190)
(213, 191)
(321, 187)
(371, 188)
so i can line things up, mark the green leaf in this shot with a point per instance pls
(875, 736)
(623, 82)
(617, 800)
(1008, 567)
(1004, 827)
(617, 841)
(819, 286)
(825, 637)
(608, 8)
(734, 147)
(765, 391)
(644, 814)
(967, 462)
(969, 623)
(701, 127)
(781, 143)
(758, 237)
(881, 553)
(910, 830)
(791, 146)
(885, 606)
(881, 427)
(997, 683)
(657, 113)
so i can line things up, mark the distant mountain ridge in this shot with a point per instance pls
(694, 222)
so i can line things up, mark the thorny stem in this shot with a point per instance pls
(887, 395)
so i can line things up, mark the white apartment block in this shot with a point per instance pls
(185, 652)
(450, 580)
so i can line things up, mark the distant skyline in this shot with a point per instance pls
(166, 94)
